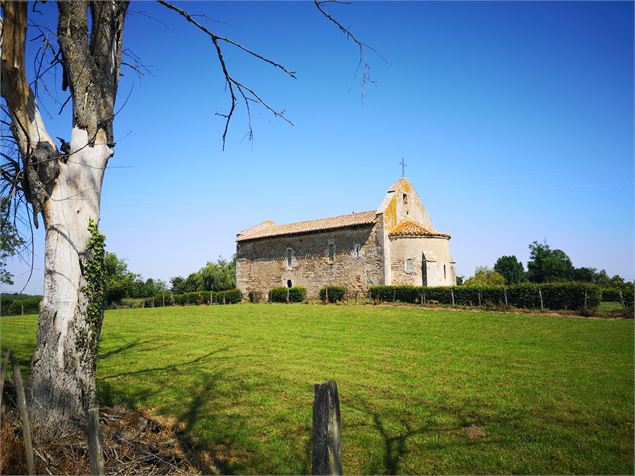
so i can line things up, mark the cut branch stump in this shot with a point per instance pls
(327, 430)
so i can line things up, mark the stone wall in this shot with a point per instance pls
(358, 262)
(436, 250)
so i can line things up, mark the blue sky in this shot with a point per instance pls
(515, 120)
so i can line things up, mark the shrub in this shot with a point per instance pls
(556, 296)
(524, 295)
(160, 299)
(332, 293)
(255, 296)
(230, 296)
(409, 294)
(14, 305)
(573, 296)
(294, 294)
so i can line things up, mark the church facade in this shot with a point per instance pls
(394, 244)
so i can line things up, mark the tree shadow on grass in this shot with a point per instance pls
(201, 412)
(175, 367)
(395, 443)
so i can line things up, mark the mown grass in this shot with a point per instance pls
(553, 394)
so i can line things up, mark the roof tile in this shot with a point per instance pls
(412, 228)
(269, 229)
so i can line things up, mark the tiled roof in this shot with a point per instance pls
(269, 229)
(412, 228)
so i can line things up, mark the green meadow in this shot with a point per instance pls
(551, 394)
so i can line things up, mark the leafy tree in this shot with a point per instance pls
(510, 268)
(214, 276)
(546, 265)
(177, 284)
(484, 276)
(584, 275)
(122, 283)
(219, 276)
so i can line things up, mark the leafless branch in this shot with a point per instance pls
(363, 47)
(234, 86)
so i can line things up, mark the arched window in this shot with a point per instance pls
(289, 283)
(444, 274)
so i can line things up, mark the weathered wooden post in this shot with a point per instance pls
(585, 299)
(542, 305)
(24, 415)
(327, 430)
(505, 294)
(3, 371)
(479, 299)
(95, 454)
(452, 294)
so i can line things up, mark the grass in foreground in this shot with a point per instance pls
(553, 394)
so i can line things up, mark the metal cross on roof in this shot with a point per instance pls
(403, 167)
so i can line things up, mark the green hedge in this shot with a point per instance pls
(13, 305)
(332, 293)
(295, 294)
(613, 294)
(556, 296)
(231, 296)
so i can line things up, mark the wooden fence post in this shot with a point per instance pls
(24, 415)
(542, 305)
(95, 454)
(3, 371)
(585, 299)
(505, 294)
(479, 299)
(327, 430)
(452, 294)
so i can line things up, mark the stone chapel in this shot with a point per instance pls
(395, 244)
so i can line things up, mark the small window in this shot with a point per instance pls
(289, 257)
(289, 283)
(410, 265)
(444, 275)
(331, 251)
(405, 198)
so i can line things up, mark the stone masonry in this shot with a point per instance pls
(395, 244)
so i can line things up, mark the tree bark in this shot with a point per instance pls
(63, 374)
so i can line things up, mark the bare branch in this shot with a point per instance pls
(247, 94)
(363, 62)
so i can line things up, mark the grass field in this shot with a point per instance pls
(552, 394)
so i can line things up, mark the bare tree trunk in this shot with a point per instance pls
(63, 376)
